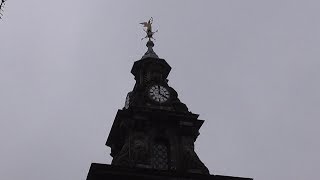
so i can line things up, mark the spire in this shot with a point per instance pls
(150, 44)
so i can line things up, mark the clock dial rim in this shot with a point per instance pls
(159, 93)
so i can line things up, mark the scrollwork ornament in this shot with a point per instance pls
(2, 3)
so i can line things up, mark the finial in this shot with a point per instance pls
(150, 44)
(148, 29)
(1, 5)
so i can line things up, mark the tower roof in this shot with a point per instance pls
(150, 53)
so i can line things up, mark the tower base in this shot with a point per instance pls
(110, 172)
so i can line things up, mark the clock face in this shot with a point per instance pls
(159, 93)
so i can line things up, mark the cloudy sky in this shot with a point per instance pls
(249, 68)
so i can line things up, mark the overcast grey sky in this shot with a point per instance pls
(249, 68)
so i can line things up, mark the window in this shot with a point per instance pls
(160, 153)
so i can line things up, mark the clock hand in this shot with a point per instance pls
(163, 96)
(163, 93)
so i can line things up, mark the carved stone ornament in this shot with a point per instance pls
(140, 149)
(123, 158)
(191, 161)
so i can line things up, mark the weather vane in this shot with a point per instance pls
(1, 5)
(148, 29)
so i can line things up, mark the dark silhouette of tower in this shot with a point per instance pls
(153, 136)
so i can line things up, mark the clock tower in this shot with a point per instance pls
(155, 130)
(153, 135)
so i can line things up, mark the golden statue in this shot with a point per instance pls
(148, 29)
